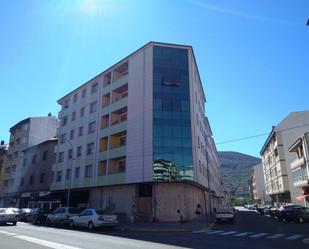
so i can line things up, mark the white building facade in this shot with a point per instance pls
(136, 137)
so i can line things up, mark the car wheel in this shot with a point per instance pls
(90, 225)
(14, 223)
(61, 223)
(300, 219)
(72, 225)
(48, 223)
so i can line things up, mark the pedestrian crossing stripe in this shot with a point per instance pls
(242, 234)
(252, 235)
(295, 236)
(258, 235)
(276, 236)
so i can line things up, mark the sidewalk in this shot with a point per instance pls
(165, 226)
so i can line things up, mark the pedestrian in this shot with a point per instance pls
(180, 216)
(133, 213)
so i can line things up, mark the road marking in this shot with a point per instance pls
(276, 236)
(199, 231)
(228, 233)
(46, 243)
(242, 234)
(213, 232)
(258, 235)
(295, 236)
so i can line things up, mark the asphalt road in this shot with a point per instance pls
(250, 230)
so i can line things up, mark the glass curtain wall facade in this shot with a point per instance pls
(172, 139)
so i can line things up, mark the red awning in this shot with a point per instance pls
(301, 197)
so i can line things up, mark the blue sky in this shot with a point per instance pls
(252, 55)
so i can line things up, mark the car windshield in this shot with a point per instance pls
(103, 212)
(74, 210)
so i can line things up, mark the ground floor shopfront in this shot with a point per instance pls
(155, 201)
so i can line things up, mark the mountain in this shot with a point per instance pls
(235, 172)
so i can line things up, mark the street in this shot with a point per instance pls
(250, 230)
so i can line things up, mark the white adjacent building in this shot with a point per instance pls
(135, 137)
(276, 158)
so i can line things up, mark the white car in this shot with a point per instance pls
(9, 215)
(93, 218)
(225, 213)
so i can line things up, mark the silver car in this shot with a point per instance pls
(61, 216)
(93, 218)
(9, 215)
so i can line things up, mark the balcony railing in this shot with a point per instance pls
(298, 162)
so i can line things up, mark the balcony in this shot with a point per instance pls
(117, 152)
(112, 179)
(301, 183)
(298, 162)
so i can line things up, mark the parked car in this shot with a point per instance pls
(24, 213)
(261, 209)
(62, 215)
(284, 210)
(93, 218)
(296, 214)
(38, 215)
(225, 213)
(9, 215)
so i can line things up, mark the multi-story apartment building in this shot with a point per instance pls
(3, 154)
(258, 185)
(135, 138)
(276, 157)
(36, 172)
(25, 134)
(300, 166)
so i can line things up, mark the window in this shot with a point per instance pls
(84, 93)
(79, 151)
(75, 98)
(90, 148)
(91, 127)
(72, 134)
(70, 154)
(64, 120)
(77, 172)
(63, 138)
(73, 116)
(122, 165)
(80, 131)
(94, 87)
(66, 103)
(82, 112)
(59, 176)
(123, 140)
(16, 154)
(22, 181)
(31, 180)
(93, 107)
(45, 155)
(102, 168)
(18, 141)
(68, 174)
(24, 162)
(88, 171)
(34, 159)
(42, 177)
(60, 157)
